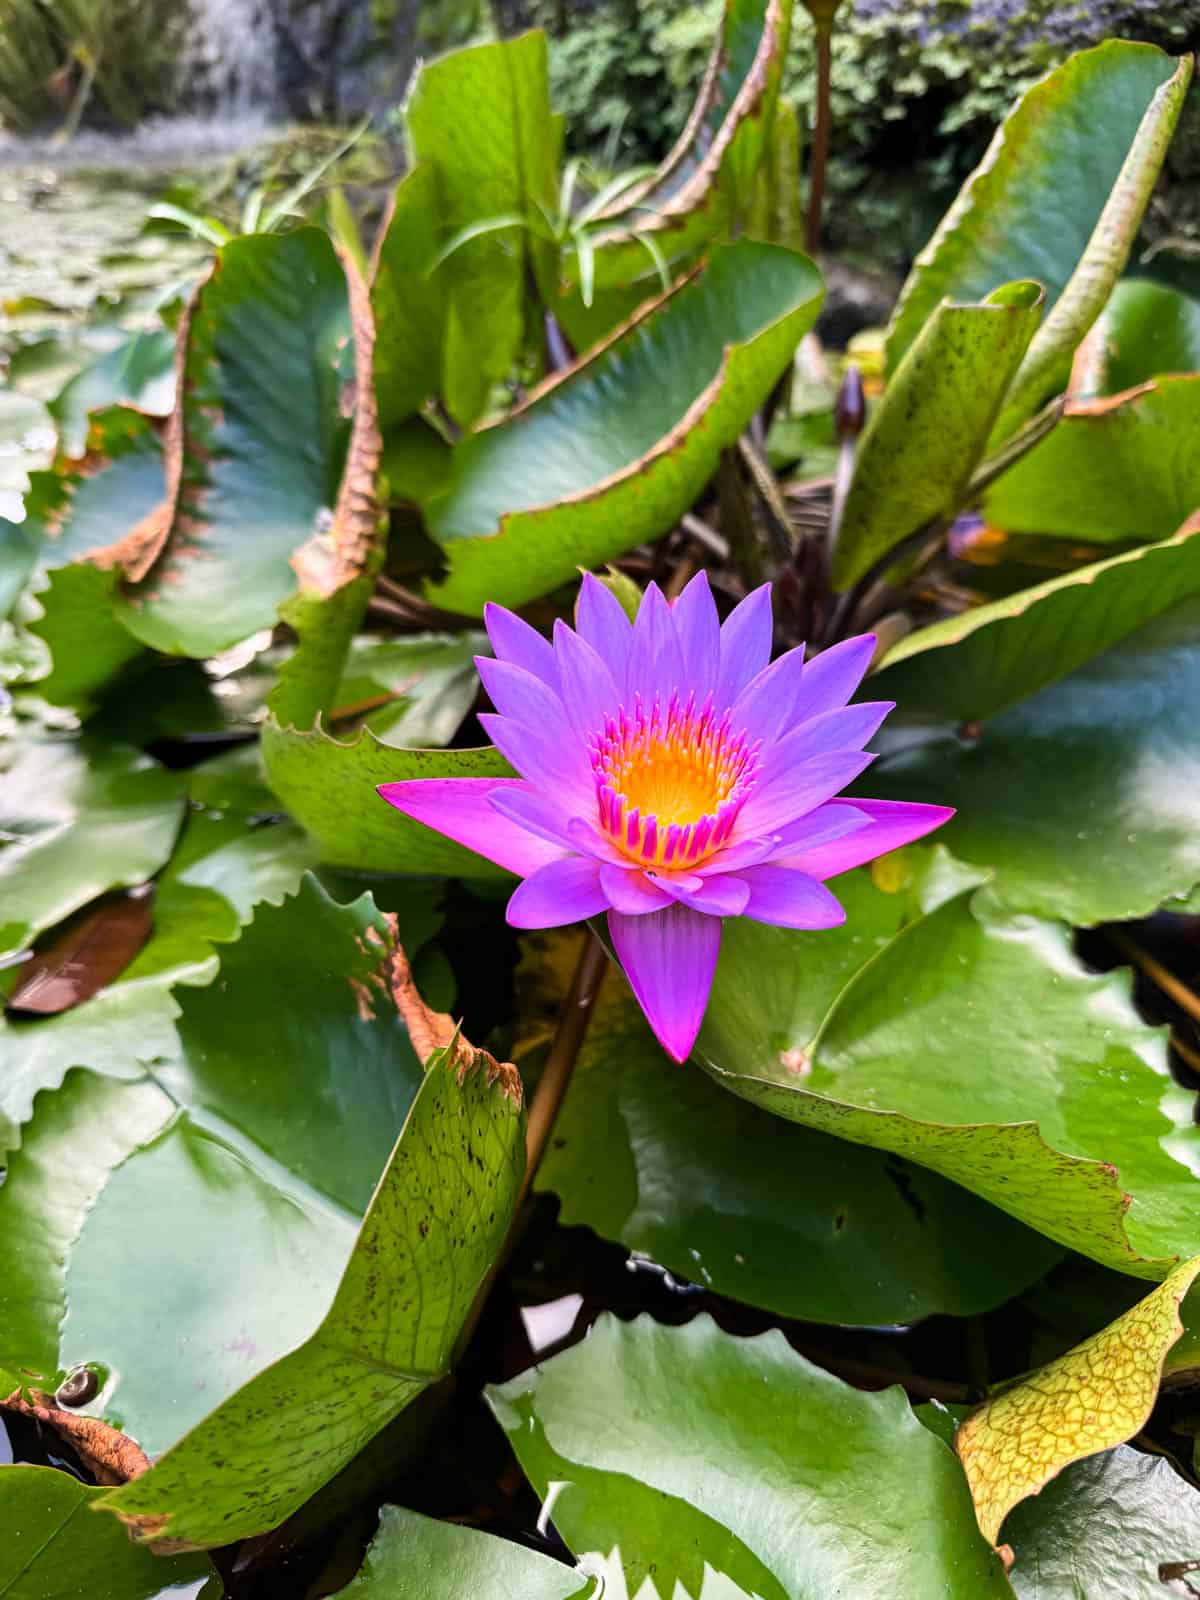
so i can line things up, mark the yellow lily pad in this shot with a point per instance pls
(1091, 1399)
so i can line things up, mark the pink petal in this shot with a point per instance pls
(589, 840)
(806, 785)
(630, 891)
(534, 812)
(460, 809)
(600, 619)
(745, 644)
(790, 899)
(669, 959)
(560, 892)
(699, 632)
(514, 640)
(717, 896)
(893, 823)
(832, 677)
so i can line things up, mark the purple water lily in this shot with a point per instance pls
(670, 777)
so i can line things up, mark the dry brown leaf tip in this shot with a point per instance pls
(431, 1030)
(111, 1456)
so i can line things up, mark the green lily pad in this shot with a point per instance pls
(928, 430)
(140, 371)
(774, 1215)
(934, 1026)
(1084, 799)
(1125, 467)
(410, 1553)
(329, 784)
(88, 645)
(682, 1456)
(1058, 197)
(52, 1541)
(77, 818)
(1113, 1525)
(432, 677)
(613, 451)
(972, 666)
(243, 1195)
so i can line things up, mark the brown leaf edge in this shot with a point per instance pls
(691, 194)
(431, 1031)
(110, 1455)
(337, 556)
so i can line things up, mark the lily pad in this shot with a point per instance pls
(77, 817)
(680, 1456)
(774, 1215)
(411, 1552)
(972, 666)
(1084, 798)
(1094, 1397)
(1147, 329)
(976, 1044)
(51, 1540)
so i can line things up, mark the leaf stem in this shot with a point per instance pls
(1170, 985)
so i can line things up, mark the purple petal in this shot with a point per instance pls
(746, 853)
(560, 892)
(669, 959)
(745, 644)
(655, 661)
(600, 619)
(589, 690)
(847, 729)
(559, 768)
(520, 694)
(893, 823)
(630, 891)
(590, 840)
(532, 811)
(699, 632)
(808, 784)
(764, 708)
(460, 809)
(717, 896)
(514, 640)
(790, 899)
(832, 677)
(822, 826)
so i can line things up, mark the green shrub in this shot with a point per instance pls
(118, 55)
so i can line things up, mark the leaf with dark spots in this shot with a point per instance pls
(91, 950)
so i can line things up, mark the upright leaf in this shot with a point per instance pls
(1123, 467)
(611, 452)
(255, 447)
(708, 178)
(410, 1552)
(928, 430)
(1058, 197)
(480, 118)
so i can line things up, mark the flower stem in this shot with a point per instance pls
(820, 146)
(560, 1063)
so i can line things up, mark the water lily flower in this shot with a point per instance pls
(671, 775)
